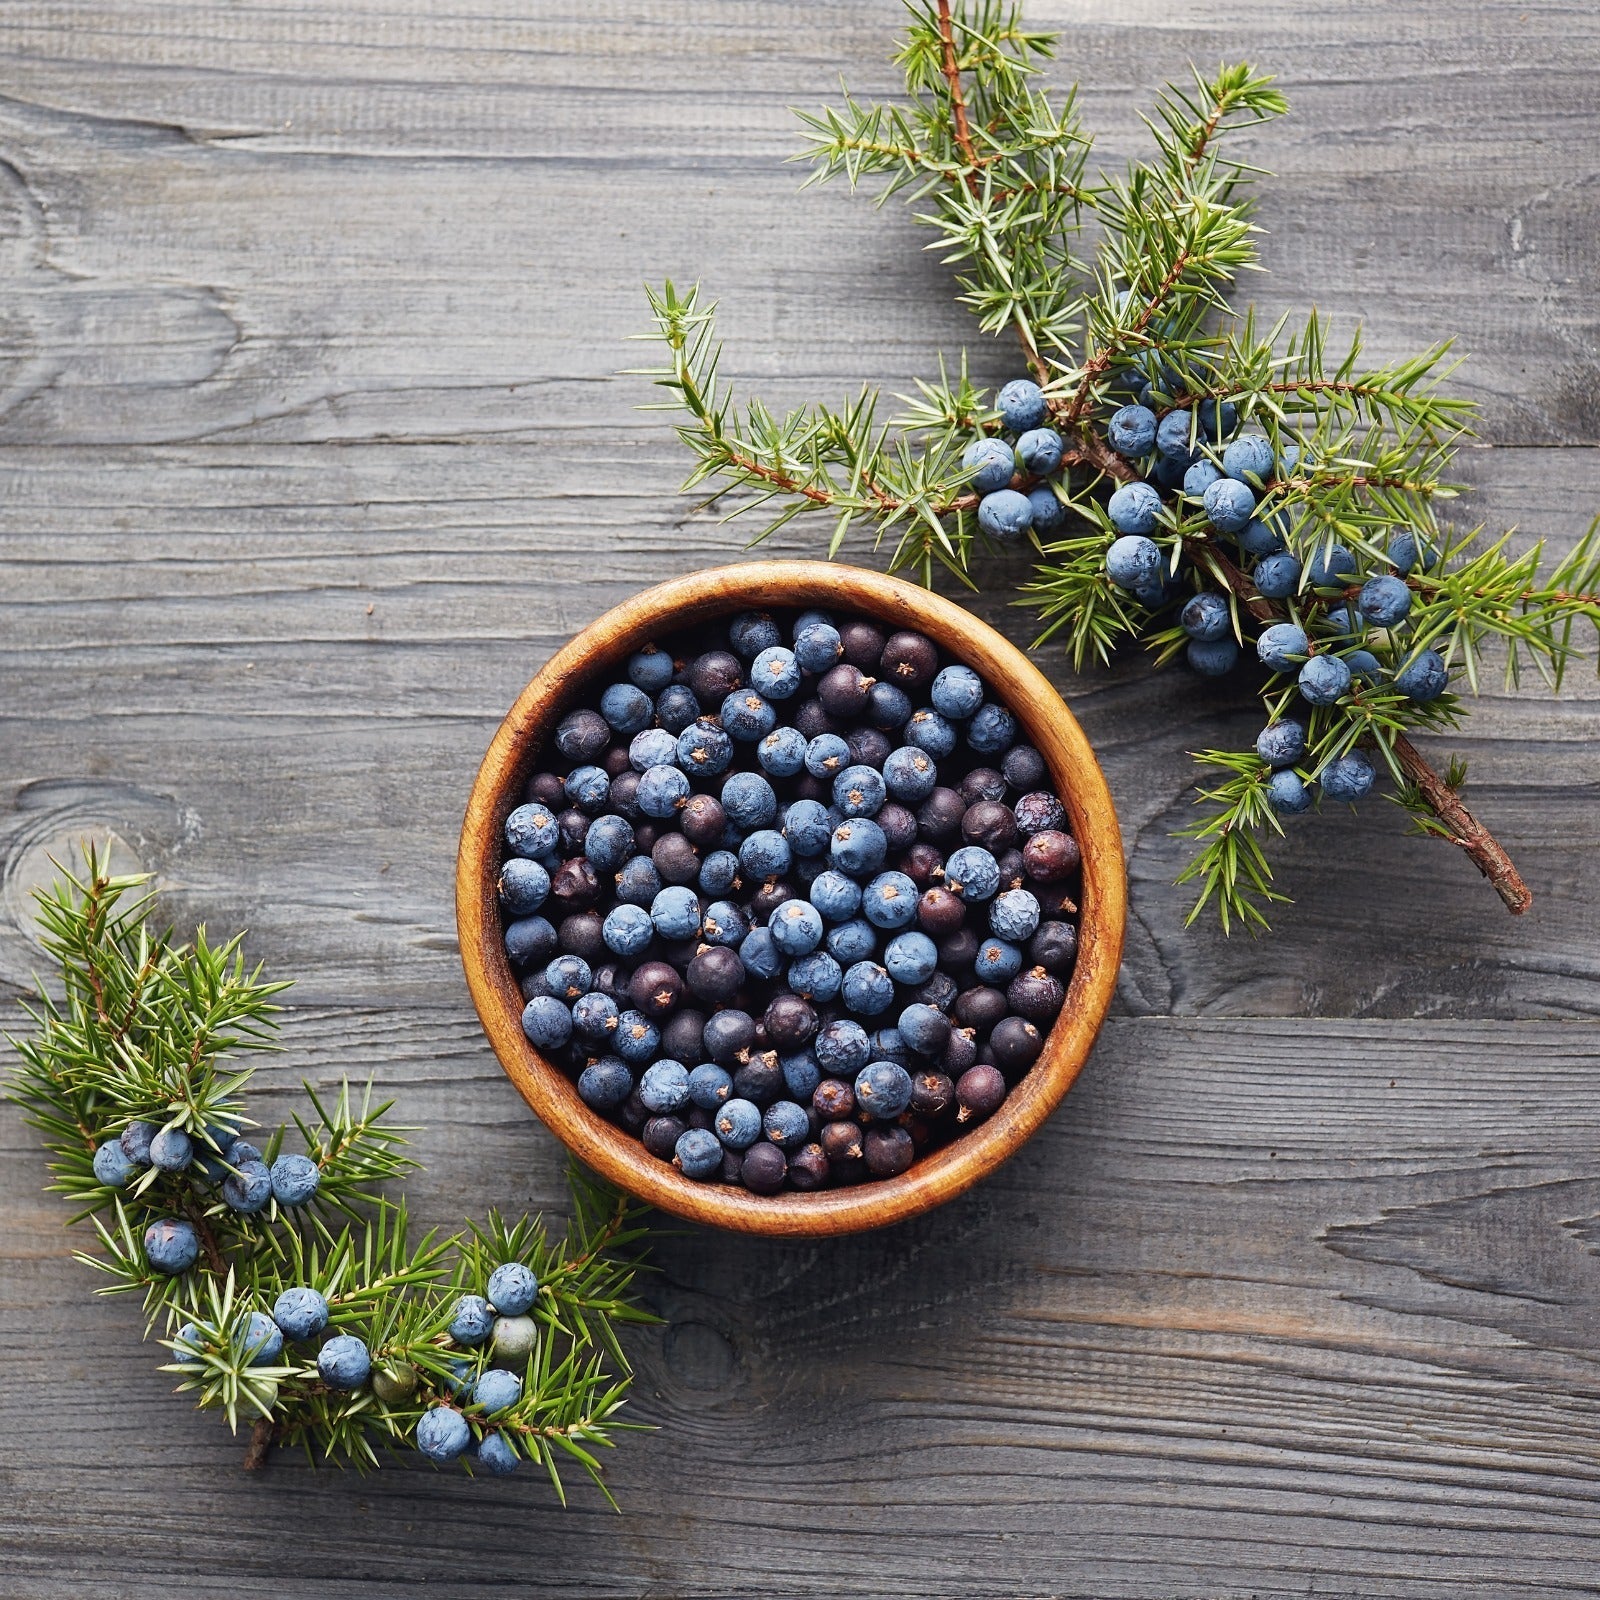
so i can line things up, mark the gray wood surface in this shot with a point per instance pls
(313, 447)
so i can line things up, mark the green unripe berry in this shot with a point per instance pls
(394, 1382)
(262, 1390)
(514, 1338)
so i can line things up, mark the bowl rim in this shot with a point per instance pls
(1049, 725)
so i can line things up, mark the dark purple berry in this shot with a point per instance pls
(676, 859)
(789, 1021)
(939, 816)
(1051, 856)
(958, 950)
(633, 1114)
(939, 992)
(982, 783)
(1023, 768)
(580, 934)
(582, 736)
(1055, 901)
(1039, 811)
(980, 1092)
(769, 897)
(1036, 995)
(841, 1140)
(961, 1052)
(863, 642)
(547, 790)
(574, 826)
(625, 796)
(1015, 1044)
(868, 747)
(703, 821)
(616, 763)
(811, 717)
(931, 1093)
(808, 1167)
(939, 912)
(683, 1038)
(575, 884)
(715, 975)
(807, 787)
(661, 1135)
(1013, 875)
(843, 690)
(909, 660)
(728, 1037)
(899, 826)
(765, 1168)
(980, 1007)
(922, 864)
(834, 1100)
(888, 1151)
(1054, 947)
(714, 676)
(990, 824)
(655, 988)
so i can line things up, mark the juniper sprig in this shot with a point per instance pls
(1119, 291)
(145, 1032)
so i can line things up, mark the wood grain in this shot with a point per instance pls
(316, 447)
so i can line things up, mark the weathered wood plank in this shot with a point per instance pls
(390, 224)
(1303, 1301)
(288, 663)
(316, 446)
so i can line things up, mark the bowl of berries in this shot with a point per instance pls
(791, 897)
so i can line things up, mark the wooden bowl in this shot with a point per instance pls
(593, 659)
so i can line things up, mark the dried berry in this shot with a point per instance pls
(888, 1151)
(1054, 947)
(833, 1100)
(931, 1093)
(764, 1169)
(809, 1168)
(1037, 812)
(939, 816)
(980, 1093)
(982, 783)
(841, 1141)
(1015, 1044)
(655, 988)
(991, 824)
(1036, 995)
(909, 660)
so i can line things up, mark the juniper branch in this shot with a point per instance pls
(137, 1030)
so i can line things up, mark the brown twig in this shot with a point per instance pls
(958, 98)
(1484, 851)
(1481, 847)
(262, 1438)
(951, 61)
(208, 1240)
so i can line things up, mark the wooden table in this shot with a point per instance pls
(315, 446)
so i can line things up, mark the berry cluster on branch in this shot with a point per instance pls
(1271, 482)
(286, 1286)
